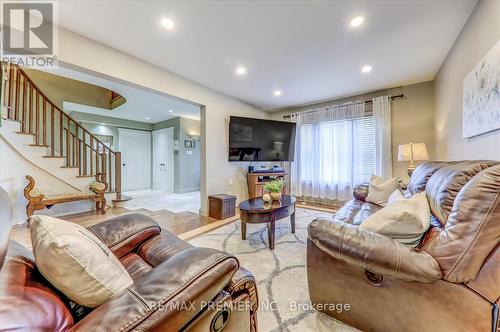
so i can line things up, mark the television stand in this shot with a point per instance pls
(257, 180)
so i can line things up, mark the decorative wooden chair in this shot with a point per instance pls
(39, 201)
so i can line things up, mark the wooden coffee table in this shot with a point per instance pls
(256, 211)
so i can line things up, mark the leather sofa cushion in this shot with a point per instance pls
(162, 247)
(135, 265)
(473, 228)
(193, 277)
(355, 212)
(27, 301)
(76, 262)
(444, 185)
(422, 174)
(125, 233)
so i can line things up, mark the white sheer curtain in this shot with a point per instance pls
(383, 145)
(332, 152)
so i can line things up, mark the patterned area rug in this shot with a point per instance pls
(281, 274)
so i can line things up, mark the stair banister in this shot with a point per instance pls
(23, 98)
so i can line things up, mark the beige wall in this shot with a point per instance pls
(479, 35)
(412, 118)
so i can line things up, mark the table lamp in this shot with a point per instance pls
(411, 152)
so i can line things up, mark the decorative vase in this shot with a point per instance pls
(276, 196)
(266, 197)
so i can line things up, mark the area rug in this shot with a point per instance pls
(280, 274)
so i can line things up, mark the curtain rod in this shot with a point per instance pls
(367, 102)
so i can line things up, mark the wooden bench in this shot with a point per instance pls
(38, 201)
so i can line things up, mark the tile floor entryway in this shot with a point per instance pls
(154, 200)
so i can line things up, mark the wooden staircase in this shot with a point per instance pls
(54, 133)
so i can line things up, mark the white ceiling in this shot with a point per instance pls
(141, 103)
(304, 48)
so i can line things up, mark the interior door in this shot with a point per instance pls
(163, 159)
(135, 146)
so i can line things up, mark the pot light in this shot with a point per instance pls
(357, 21)
(366, 69)
(167, 23)
(146, 118)
(277, 93)
(170, 111)
(241, 70)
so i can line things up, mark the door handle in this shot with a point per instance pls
(124, 164)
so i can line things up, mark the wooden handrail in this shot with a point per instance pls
(66, 137)
(54, 105)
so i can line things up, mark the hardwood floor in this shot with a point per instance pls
(178, 223)
(186, 225)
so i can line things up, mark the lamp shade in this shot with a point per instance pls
(412, 151)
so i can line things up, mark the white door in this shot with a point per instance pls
(135, 146)
(163, 159)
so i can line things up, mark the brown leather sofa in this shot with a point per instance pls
(450, 282)
(176, 287)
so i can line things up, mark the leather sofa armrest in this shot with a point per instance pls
(168, 297)
(243, 281)
(374, 252)
(360, 192)
(125, 233)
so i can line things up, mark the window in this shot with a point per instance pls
(334, 156)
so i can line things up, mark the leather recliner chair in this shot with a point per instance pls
(450, 282)
(176, 287)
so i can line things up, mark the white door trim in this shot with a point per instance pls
(123, 132)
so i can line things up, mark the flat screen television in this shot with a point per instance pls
(260, 140)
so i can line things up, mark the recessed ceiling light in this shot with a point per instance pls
(241, 70)
(167, 23)
(146, 118)
(170, 111)
(357, 21)
(366, 69)
(277, 93)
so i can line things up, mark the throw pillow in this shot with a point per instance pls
(379, 191)
(404, 220)
(397, 195)
(76, 262)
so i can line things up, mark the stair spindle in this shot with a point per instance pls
(73, 152)
(91, 148)
(97, 158)
(16, 106)
(52, 132)
(68, 142)
(103, 163)
(30, 110)
(77, 151)
(109, 169)
(84, 155)
(61, 133)
(23, 109)
(44, 124)
(37, 119)
(11, 85)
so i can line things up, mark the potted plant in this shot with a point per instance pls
(274, 188)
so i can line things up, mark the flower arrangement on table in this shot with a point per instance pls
(273, 190)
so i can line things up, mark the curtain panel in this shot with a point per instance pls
(339, 147)
(383, 144)
(328, 161)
